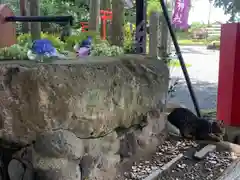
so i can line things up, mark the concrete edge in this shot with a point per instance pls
(155, 174)
(84, 60)
(232, 172)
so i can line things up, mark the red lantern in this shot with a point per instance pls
(84, 26)
(106, 15)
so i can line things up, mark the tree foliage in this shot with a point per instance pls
(231, 7)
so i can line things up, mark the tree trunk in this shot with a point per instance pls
(105, 4)
(117, 23)
(94, 15)
(24, 12)
(35, 26)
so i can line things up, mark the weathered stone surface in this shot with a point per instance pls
(24, 158)
(16, 170)
(103, 154)
(151, 134)
(80, 119)
(138, 140)
(1, 169)
(99, 167)
(29, 174)
(59, 144)
(101, 157)
(202, 153)
(55, 168)
(89, 99)
(68, 171)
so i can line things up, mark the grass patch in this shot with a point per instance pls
(182, 35)
(176, 63)
(192, 42)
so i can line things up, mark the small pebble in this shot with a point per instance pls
(213, 162)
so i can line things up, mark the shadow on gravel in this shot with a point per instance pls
(206, 94)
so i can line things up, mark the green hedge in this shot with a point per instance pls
(24, 43)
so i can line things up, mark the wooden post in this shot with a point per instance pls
(105, 5)
(165, 44)
(164, 38)
(153, 34)
(94, 15)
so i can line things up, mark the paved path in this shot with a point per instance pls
(204, 76)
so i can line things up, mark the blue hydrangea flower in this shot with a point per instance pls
(87, 42)
(43, 47)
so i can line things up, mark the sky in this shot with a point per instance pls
(200, 12)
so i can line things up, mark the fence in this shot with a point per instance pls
(215, 30)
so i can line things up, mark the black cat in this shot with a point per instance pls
(210, 129)
(192, 127)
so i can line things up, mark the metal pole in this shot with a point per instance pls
(40, 19)
(180, 57)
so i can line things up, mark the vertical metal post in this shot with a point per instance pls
(141, 15)
(180, 57)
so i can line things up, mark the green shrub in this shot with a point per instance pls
(128, 45)
(214, 45)
(104, 49)
(182, 35)
(176, 63)
(217, 43)
(213, 38)
(78, 37)
(56, 42)
(14, 52)
(26, 40)
(199, 41)
(128, 33)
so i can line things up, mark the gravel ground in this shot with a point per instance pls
(187, 168)
(209, 168)
(166, 152)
